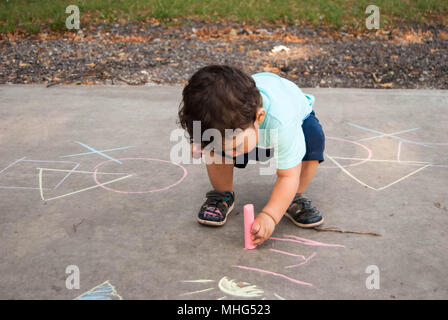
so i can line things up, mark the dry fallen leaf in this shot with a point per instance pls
(375, 77)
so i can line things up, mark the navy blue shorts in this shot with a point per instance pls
(314, 140)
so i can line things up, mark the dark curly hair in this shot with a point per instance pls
(220, 97)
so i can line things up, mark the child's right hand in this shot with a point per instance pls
(262, 228)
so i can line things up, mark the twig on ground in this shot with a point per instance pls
(336, 229)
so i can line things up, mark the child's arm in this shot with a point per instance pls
(282, 194)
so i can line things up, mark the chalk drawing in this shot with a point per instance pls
(11, 164)
(277, 296)
(307, 242)
(102, 185)
(244, 289)
(305, 260)
(302, 263)
(198, 281)
(92, 150)
(288, 253)
(239, 289)
(422, 143)
(422, 164)
(389, 134)
(41, 170)
(373, 188)
(399, 150)
(194, 292)
(104, 291)
(361, 161)
(276, 275)
(230, 287)
(76, 165)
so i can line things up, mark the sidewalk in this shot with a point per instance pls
(85, 180)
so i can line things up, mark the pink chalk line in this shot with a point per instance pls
(288, 253)
(306, 241)
(369, 153)
(95, 178)
(305, 260)
(275, 274)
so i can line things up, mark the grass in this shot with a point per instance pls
(31, 16)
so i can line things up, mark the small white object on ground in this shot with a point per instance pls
(280, 48)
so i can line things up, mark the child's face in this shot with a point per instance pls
(241, 143)
(246, 140)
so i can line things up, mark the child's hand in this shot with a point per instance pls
(262, 228)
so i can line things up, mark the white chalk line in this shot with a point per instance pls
(348, 173)
(198, 281)
(194, 292)
(78, 191)
(78, 171)
(38, 161)
(278, 297)
(370, 187)
(389, 134)
(67, 175)
(11, 164)
(422, 143)
(24, 188)
(403, 162)
(381, 160)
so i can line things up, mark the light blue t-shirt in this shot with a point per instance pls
(286, 107)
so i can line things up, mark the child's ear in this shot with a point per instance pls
(259, 117)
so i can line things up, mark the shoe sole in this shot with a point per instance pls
(310, 225)
(216, 223)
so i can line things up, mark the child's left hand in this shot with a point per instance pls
(262, 228)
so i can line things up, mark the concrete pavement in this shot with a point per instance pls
(85, 181)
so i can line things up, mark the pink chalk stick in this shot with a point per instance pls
(248, 222)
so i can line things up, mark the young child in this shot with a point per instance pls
(223, 97)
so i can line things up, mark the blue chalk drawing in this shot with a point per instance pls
(92, 152)
(99, 152)
(104, 291)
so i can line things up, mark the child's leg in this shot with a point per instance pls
(300, 212)
(309, 169)
(220, 201)
(221, 175)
